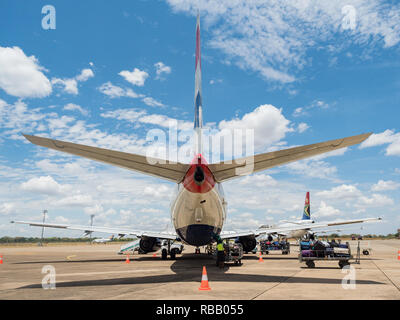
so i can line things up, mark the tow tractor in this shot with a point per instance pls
(172, 248)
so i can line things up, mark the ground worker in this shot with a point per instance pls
(220, 254)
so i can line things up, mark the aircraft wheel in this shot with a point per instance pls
(164, 254)
(310, 264)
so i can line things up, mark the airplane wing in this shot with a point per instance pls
(89, 229)
(168, 170)
(243, 166)
(338, 223)
(258, 232)
(285, 230)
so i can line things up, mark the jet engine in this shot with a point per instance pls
(248, 243)
(149, 244)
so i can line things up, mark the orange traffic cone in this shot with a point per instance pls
(1, 259)
(261, 259)
(127, 259)
(204, 280)
(398, 256)
(154, 255)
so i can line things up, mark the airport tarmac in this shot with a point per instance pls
(96, 272)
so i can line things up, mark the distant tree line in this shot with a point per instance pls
(49, 240)
(366, 236)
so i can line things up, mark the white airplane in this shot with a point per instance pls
(199, 210)
(103, 240)
(307, 225)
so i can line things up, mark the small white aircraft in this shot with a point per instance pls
(308, 224)
(199, 210)
(103, 240)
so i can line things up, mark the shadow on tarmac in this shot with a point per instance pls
(187, 268)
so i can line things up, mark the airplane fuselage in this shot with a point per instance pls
(198, 211)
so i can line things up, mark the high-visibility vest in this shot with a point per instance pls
(220, 247)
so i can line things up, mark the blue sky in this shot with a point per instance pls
(111, 72)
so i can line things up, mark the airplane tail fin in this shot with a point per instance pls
(198, 100)
(307, 212)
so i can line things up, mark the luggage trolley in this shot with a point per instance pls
(233, 253)
(267, 246)
(313, 251)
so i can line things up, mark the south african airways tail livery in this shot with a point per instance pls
(308, 225)
(198, 212)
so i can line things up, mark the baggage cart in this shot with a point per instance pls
(310, 255)
(233, 253)
(267, 246)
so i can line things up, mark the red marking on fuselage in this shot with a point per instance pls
(198, 60)
(189, 182)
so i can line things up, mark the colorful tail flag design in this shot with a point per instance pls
(306, 212)
(198, 100)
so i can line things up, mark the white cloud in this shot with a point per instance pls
(212, 81)
(302, 127)
(258, 180)
(376, 200)
(70, 85)
(77, 200)
(141, 116)
(341, 192)
(7, 208)
(136, 77)
(383, 185)
(268, 122)
(75, 107)
(59, 123)
(302, 111)
(22, 76)
(44, 185)
(61, 219)
(85, 75)
(161, 69)
(313, 168)
(387, 137)
(130, 115)
(116, 92)
(273, 37)
(325, 211)
(297, 112)
(17, 118)
(152, 102)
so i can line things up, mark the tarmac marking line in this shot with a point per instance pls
(105, 272)
(144, 289)
(385, 275)
(287, 278)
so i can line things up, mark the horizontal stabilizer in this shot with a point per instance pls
(244, 166)
(168, 170)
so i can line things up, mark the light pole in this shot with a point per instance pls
(91, 225)
(44, 219)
